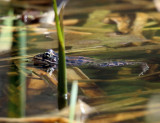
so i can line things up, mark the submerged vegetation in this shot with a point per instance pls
(103, 41)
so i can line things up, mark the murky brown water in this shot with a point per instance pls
(106, 30)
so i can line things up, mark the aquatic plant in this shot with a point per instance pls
(17, 83)
(73, 100)
(62, 80)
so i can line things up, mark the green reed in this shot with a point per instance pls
(62, 80)
(17, 81)
(73, 100)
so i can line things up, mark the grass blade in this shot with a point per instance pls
(62, 80)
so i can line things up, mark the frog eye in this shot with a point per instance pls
(47, 55)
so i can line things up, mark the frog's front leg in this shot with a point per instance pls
(50, 70)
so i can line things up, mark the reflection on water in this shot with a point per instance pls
(117, 94)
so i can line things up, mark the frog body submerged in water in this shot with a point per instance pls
(49, 60)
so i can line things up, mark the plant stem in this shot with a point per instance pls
(17, 83)
(62, 80)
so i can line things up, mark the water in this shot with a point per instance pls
(117, 94)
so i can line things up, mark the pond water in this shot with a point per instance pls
(108, 31)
